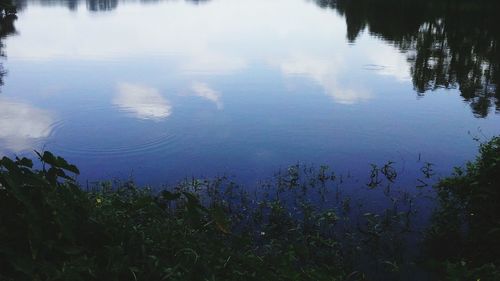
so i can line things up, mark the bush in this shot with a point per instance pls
(466, 228)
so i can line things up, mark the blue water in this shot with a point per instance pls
(163, 90)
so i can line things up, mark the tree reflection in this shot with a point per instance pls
(7, 18)
(450, 44)
(101, 5)
(91, 5)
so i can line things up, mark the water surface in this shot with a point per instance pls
(160, 90)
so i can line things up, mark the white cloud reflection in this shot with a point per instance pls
(195, 39)
(212, 63)
(393, 62)
(22, 126)
(142, 102)
(204, 91)
(325, 72)
(222, 37)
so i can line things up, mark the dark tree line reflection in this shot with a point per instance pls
(449, 43)
(7, 18)
(91, 5)
(101, 5)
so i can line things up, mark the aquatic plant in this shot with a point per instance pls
(50, 229)
(302, 224)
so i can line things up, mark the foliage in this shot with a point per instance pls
(50, 229)
(466, 228)
(299, 225)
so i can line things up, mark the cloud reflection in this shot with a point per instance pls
(394, 63)
(192, 43)
(171, 29)
(211, 62)
(143, 102)
(325, 72)
(204, 91)
(22, 125)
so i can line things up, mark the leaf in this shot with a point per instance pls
(9, 164)
(58, 162)
(25, 162)
(191, 198)
(220, 219)
(167, 195)
(49, 158)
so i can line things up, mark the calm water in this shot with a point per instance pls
(165, 89)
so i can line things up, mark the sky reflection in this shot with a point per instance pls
(237, 86)
(143, 102)
(22, 126)
(204, 44)
(204, 91)
(325, 73)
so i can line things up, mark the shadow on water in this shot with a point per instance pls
(449, 44)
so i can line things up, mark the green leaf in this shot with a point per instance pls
(220, 219)
(167, 195)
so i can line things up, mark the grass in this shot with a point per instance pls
(301, 225)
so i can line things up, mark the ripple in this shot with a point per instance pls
(103, 132)
(150, 146)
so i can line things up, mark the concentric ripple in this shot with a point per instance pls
(105, 132)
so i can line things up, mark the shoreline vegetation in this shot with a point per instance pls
(298, 226)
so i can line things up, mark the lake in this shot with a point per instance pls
(162, 90)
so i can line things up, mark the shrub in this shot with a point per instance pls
(466, 227)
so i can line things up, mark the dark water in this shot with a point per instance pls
(159, 90)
